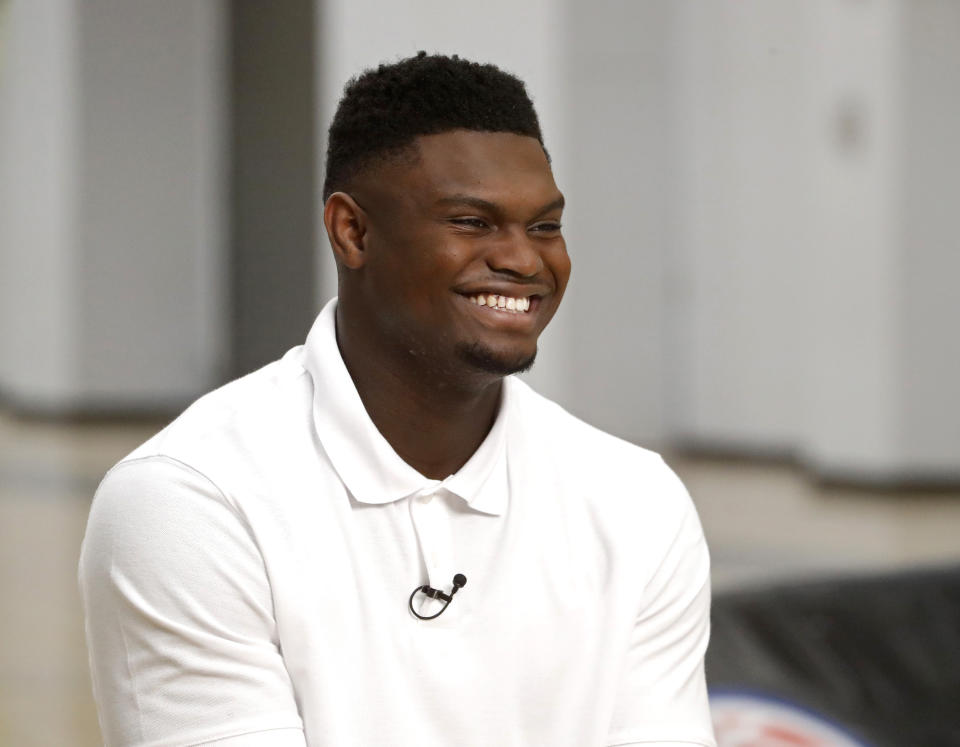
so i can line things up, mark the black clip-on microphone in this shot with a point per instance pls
(459, 581)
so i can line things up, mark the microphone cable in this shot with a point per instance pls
(459, 581)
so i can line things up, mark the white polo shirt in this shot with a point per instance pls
(246, 573)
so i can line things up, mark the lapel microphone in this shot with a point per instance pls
(459, 581)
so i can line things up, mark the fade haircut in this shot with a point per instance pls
(384, 110)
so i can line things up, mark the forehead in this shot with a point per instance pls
(498, 166)
(467, 156)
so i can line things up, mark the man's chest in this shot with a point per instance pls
(536, 624)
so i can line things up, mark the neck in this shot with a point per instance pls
(433, 419)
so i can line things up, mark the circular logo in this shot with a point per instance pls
(749, 720)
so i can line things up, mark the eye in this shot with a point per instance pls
(549, 226)
(469, 222)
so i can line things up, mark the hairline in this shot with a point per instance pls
(408, 154)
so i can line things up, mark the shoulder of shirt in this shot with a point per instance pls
(259, 405)
(629, 490)
(583, 447)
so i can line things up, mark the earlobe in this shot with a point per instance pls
(346, 227)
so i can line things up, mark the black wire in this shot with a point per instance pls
(427, 617)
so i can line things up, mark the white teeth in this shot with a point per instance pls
(502, 303)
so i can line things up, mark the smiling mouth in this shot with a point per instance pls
(506, 304)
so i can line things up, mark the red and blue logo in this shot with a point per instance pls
(742, 719)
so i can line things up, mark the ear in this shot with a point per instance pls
(346, 225)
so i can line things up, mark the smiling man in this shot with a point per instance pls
(384, 538)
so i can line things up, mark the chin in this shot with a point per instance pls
(501, 363)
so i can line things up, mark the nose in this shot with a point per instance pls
(514, 253)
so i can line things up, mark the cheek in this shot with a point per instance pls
(394, 265)
(447, 265)
(560, 265)
(438, 267)
(420, 266)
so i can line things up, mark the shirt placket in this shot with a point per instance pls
(431, 521)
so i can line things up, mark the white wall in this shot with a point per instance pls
(742, 254)
(814, 297)
(618, 101)
(38, 120)
(151, 156)
(929, 360)
(856, 296)
(111, 137)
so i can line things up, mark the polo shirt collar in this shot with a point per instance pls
(369, 467)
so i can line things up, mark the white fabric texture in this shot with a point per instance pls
(245, 577)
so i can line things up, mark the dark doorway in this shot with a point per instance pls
(273, 179)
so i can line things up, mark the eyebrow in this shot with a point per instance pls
(481, 204)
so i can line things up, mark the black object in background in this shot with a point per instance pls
(879, 656)
(273, 193)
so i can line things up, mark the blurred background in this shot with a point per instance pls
(762, 215)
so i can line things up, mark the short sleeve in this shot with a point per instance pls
(179, 617)
(662, 697)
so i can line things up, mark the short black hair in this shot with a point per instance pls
(384, 110)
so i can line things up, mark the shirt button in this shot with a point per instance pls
(426, 498)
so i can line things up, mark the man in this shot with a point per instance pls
(383, 538)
